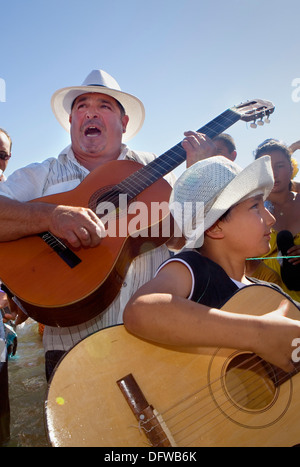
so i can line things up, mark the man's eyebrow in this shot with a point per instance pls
(80, 99)
(100, 99)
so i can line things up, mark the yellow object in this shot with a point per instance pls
(295, 167)
(60, 400)
(275, 264)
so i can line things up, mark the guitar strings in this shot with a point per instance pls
(278, 382)
(236, 410)
(232, 413)
(208, 387)
(222, 408)
(218, 413)
(194, 394)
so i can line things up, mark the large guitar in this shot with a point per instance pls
(60, 286)
(113, 389)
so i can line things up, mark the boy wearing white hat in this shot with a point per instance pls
(182, 304)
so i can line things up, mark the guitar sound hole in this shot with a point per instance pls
(248, 381)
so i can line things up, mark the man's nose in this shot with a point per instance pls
(92, 112)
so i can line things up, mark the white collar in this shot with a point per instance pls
(68, 151)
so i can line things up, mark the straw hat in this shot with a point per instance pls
(207, 189)
(101, 82)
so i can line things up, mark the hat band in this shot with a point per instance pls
(101, 85)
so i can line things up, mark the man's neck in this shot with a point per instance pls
(93, 161)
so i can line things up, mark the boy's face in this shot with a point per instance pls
(247, 228)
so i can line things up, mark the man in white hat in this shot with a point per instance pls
(100, 117)
(182, 304)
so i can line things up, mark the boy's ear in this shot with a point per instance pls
(215, 231)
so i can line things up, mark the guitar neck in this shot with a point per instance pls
(161, 166)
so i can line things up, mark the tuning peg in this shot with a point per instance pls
(267, 120)
(253, 125)
(260, 122)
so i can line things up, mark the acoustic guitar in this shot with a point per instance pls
(61, 286)
(116, 390)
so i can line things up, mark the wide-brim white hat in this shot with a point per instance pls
(101, 82)
(209, 188)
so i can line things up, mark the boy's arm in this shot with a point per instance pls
(160, 312)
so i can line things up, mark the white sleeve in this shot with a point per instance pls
(185, 264)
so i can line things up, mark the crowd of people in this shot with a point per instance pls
(164, 296)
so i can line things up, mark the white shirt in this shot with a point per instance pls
(57, 175)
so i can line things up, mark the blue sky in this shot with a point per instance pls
(187, 61)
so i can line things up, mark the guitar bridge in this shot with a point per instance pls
(67, 255)
(149, 420)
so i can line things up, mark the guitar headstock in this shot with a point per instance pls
(251, 111)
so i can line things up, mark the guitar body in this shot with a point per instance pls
(204, 397)
(56, 294)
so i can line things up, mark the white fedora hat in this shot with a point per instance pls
(101, 82)
(215, 185)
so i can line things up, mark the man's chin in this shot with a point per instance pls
(92, 149)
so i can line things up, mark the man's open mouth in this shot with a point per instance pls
(92, 131)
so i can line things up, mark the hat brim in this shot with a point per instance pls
(61, 103)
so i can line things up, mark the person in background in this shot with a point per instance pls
(5, 152)
(284, 204)
(4, 392)
(100, 118)
(181, 305)
(292, 148)
(225, 146)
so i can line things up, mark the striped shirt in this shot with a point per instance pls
(57, 175)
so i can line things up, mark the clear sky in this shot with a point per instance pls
(187, 61)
